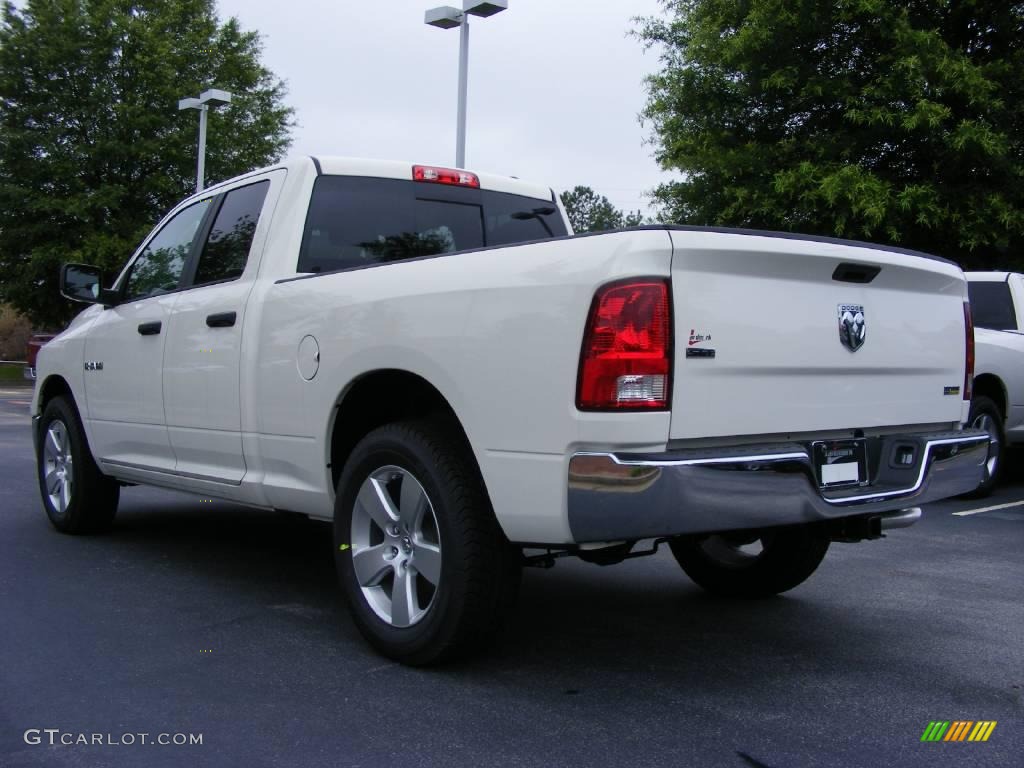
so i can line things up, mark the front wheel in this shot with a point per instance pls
(427, 570)
(985, 414)
(77, 497)
(751, 564)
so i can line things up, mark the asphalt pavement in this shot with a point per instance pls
(204, 618)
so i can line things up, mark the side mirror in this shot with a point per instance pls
(81, 282)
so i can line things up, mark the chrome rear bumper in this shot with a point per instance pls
(615, 497)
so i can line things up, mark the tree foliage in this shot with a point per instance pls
(15, 331)
(93, 149)
(591, 212)
(899, 122)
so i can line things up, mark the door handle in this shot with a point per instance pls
(221, 320)
(150, 329)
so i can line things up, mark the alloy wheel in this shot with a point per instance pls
(57, 466)
(986, 422)
(396, 546)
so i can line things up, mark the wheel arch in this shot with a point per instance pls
(55, 385)
(381, 397)
(991, 386)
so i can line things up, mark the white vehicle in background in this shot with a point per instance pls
(997, 304)
(428, 358)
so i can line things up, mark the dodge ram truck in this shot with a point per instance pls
(430, 359)
(997, 305)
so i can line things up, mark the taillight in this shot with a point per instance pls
(451, 176)
(969, 331)
(626, 361)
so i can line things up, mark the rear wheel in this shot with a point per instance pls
(985, 414)
(77, 497)
(751, 564)
(427, 570)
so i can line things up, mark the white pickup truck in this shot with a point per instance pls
(428, 358)
(997, 305)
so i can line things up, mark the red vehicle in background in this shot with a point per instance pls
(37, 341)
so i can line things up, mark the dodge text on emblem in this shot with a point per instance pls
(852, 326)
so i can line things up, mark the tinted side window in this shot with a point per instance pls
(227, 248)
(354, 221)
(992, 305)
(158, 268)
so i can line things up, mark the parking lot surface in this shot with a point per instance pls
(199, 617)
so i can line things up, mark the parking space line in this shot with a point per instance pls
(967, 512)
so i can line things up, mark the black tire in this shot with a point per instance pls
(719, 564)
(478, 571)
(91, 500)
(985, 414)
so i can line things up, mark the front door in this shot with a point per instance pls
(124, 351)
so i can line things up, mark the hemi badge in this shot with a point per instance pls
(93, 365)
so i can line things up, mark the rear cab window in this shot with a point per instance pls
(357, 221)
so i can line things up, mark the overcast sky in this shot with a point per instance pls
(555, 86)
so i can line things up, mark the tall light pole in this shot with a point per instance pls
(447, 17)
(214, 97)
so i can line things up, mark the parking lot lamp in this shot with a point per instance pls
(447, 17)
(213, 97)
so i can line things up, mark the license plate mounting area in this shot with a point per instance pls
(839, 463)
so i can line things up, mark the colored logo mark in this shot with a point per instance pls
(958, 730)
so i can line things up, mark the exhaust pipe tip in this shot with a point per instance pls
(902, 519)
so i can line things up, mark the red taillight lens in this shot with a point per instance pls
(626, 361)
(969, 331)
(432, 175)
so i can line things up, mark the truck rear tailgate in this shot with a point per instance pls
(760, 348)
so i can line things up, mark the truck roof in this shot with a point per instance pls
(334, 165)
(988, 277)
(398, 169)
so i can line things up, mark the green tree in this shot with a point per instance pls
(591, 212)
(93, 149)
(899, 122)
